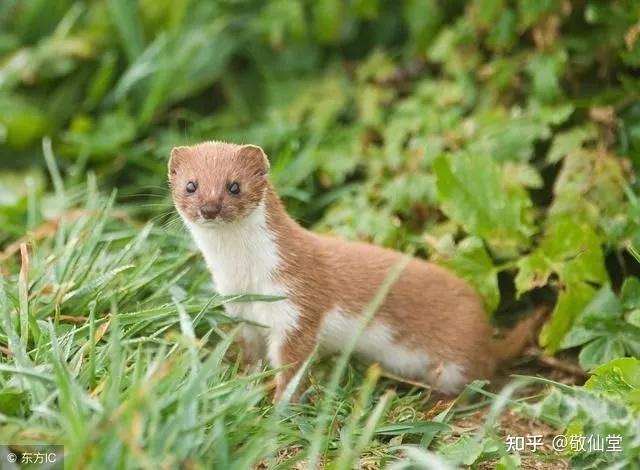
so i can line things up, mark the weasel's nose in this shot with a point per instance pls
(210, 211)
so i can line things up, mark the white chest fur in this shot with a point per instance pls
(242, 256)
(243, 259)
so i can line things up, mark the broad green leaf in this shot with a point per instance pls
(591, 184)
(634, 317)
(472, 262)
(523, 174)
(570, 249)
(604, 304)
(337, 160)
(553, 115)
(508, 462)
(473, 194)
(618, 378)
(464, 450)
(627, 367)
(565, 142)
(508, 135)
(571, 301)
(409, 191)
(545, 70)
(577, 336)
(630, 293)
(602, 330)
(600, 351)
(319, 104)
(358, 218)
(630, 336)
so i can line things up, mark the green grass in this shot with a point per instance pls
(116, 348)
(500, 139)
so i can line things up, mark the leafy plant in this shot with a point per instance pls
(608, 327)
(618, 378)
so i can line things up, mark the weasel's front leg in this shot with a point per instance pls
(290, 350)
(252, 344)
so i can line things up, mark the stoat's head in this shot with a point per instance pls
(214, 183)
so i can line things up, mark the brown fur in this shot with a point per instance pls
(428, 307)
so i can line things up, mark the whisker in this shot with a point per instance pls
(151, 204)
(162, 217)
(172, 224)
(152, 186)
(128, 196)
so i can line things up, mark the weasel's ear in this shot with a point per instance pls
(178, 155)
(257, 157)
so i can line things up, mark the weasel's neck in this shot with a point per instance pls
(244, 256)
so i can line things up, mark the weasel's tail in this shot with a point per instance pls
(514, 343)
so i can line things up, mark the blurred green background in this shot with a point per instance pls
(499, 138)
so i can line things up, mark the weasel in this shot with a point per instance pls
(431, 326)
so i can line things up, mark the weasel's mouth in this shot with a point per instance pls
(210, 222)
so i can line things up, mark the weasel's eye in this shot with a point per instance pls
(192, 186)
(233, 188)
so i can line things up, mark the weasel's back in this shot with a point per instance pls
(427, 306)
